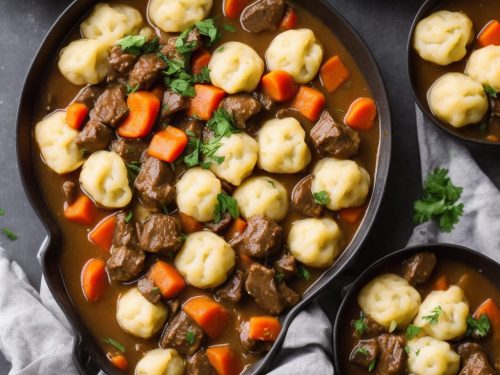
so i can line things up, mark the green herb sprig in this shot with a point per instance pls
(480, 327)
(138, 44)
(225, 203)
(116, 344)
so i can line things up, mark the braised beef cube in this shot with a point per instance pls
(125, 263)
(262, 237)
(285, 265)
(155, 182)
(266, 102)
(120, 62)
(334, 139)
(149, 290)
(191, 125)
(495, 106)
(419, 267)
(130, 150)
(253, 346)
(263, 15)
(95, 136)
(89, 96)
(261, 285)
(474, 360)
(170, 51)
(241, 107)
(392, 355)
(303, 200)
(125, 232)
(174, 306)
(289, 296)
(199, 365)
(161, 233)
(232, 290)
(70, 191)
(111, 107)
(222, 225)
(372, 328)
(173, 103)
(364, 352)
(183, 334)
(146, 71)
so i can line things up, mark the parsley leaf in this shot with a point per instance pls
(304, 273)
(225, 203)
(490, 91)
(208, 28)
(360, 325)
(114, 343)
(322, 198)
(203, 77)
(280, 276)
(372, 364)
(2, 212)
(362, 351)
(229, 28)
(222, 123)
(433, 317)
(138, 44)
(131, 90)
(407, 349)
(478, 327)
(190, 337)
(9, 234)
(412, 331)
(203, 154)
(129, 217)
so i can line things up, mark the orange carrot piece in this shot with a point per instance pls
(290, 20)
(167, 279)
(80, 211)
(264, 328)
(168, 144)
(441, 283)
(361, 114)
(205, 102)
(200, 60)
(489, 308)
(211, 316)
(492, 138)
(144, 107)
(119, 361)
(189, 224)
(352, 215)
(102, 234)
(76, 114)
(93, 279)
(333, 73)
(237, 227)
(490, 34)
(233, 8)
(224, 360)
(279, 86)
(309, 102)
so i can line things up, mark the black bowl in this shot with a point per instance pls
(489, 267)
(87, 355)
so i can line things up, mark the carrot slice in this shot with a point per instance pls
(333, 74)
(352, 215)
(441, 283)
(361, 114)
(279, 86)
(76, 114)
(233, 8)
(143, 107)
(264, 328)
(102, 234)
(237, 227)
(309, 102)
(489, 308)
(189, 224)
(205, 101)
(224, 360)
(167, 279)
(208, 314)
(168, 144)
(200, 60)
(290, 20)
(93, 279)
(80, 211)
(490, 34)
(119, 361)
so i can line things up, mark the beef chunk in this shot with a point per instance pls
(170, 51)
(334, 139)
(286, 265)
(70, 191)
(125, 232)
(232, 290)
(183, 334)
(419, 267)
(372, 328)
(111, 107)
(154, 183)
(289, 296)
(125, 263)
(174, 306)
(146, 71)
(172, 102)
(130, 150)
(88, 96)
(474, 360)
(191, 125)
(260, 284)
(253, 346)
(161, 233)
(262, 237)
(199, 365)
(95, 136)
(364, 352)
(392, 359)
(120, 62)
(495, 106)
(222, 225)
(263, 15)
(149, 290)
(266, 102)
(303, 200)
(241, 107)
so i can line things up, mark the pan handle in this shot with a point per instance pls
(83, 362)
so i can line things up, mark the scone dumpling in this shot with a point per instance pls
(104, 178)
(236, 67)
(57, 143)
(443, 36)
(315, 242)
(428, 356)
(174, 16)
(240, 156)
(205, 260)
(282, 146)
(450, 309)
(484, 66)
(84, 61)
(262, 196)
(346, 183)
(297, 52)
(457, 100)
(389, 298)
(139, 317)
(197, 192)
(160, 362)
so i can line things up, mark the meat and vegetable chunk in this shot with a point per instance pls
(120, 62)
(111, 107)
(95, 136)
(199, 365)
(263, 15)
(364, 353)
(161, 233)
(130, 150)
(286, 265)
(242, 107)
(149, 290)
(125, 263)
(232, 290)
(182, 334)
(262, 237)
(89, 96)
(392, 358)
(70, 191)
(222, 225)
(146, 71)
(191, 125)
(172, 103)
(252, 346)
(155, 183)
(419, 267)
(474, 360)
(303, 199)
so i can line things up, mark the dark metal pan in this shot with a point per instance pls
(87, 354)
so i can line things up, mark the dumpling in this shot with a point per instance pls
(442, 37)
(57, 143)
(240, 156)
(282, 146)
(297, 52)
(346, 183)
(484, 66)
(457, 100)
(104, 179)
(205, 260)
(139, 317)
(315, 242)
(449, 308)
(389, 298)
(84, 61)
(197, 192)
(236, 67)
(173, 16)
(109, 23)
(262, 196)
(428, 356)
(160, 362)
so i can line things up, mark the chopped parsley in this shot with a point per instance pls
(190, 337)
(372, 364)
(225, 203)
(131, 90)
(407, 349)
(412, 331)
(362, 351)
(203, 77)
(114, 343)
(138, 44)
(433, 317)
(322, 198)
(203, 154)
(229, 28)
(208, 28)
(2, 212)
(304, 273)
(478, 327)
(129, 217)
(222, 123)
(9, 234)
(417, 352)
(179, 80)
(280, 276)
(360, 325)
(271, 182)
(133, 170)
(490, 91)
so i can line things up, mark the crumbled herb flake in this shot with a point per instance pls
(433, 317)
(9, 234)
(304, 273)
(372, 364)
(412, 331)
(360, 325)
(222, 123)
(480, 327)
(229, 28)
(322, 198)
(116, 344)
(129, 217)
(490, 91)
(280, 276)
(131, 90)
(190, 337)
(225, 203)
(407, 349)
(362, 351)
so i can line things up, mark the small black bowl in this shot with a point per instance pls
(474, 259)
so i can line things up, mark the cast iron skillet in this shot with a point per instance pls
(489, 267)
(87, 355)
(428, 8)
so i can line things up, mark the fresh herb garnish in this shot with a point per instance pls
(362, 351)
(412, 331)
(280, 276)
(229, 28)
(372, 364)
(225, 203)
(407, 349)
(433, 317)
(190, 337)
(222, 123)
(2, 212)
(131, 90)
(138, 44)
(203, 77)
(9, 234)
(203, 154)
(114, 343)
(360, 325)
(478, 327)
(417, 352)
(304, 273)
(490, 91)
(439, 201)
(133, 170)
(129, 217)
(271, 182)
(322, 198)
(179, 80)
(208, 28)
